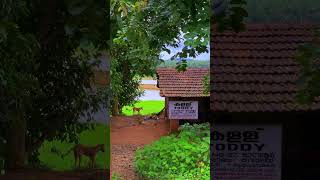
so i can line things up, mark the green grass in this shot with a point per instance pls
(191, 64)
(99, 135)
(115, 176)
(149, 107)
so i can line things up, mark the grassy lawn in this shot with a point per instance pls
(149, 107)
(100, 135)
(191, 64)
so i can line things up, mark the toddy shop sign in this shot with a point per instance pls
(246, 152)
(183, 109)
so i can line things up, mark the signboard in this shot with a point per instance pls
(246, 152)
(183, 109)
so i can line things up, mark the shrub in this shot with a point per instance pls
(183, 156)
(115, 176)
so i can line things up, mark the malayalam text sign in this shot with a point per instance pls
(183, 109)
(246, 152)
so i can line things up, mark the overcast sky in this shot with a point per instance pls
(165, 56)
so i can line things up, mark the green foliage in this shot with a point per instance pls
(233, 15)
(206, 83)
(190, 64)
(182, 156)
(142, 29)
(50, 153)
(149, 107)
(132, 56)
(181, 65)
(277, 11)
(116, 177)
(48, 50)
(293, 11)
(308, 57)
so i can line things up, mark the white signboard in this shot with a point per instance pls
(183, 109)
(246, 152)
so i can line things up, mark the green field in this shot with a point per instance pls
(99, 135)
(191, 64)
(149, 107)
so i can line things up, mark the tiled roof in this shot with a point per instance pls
(255, 71)
(181, 84)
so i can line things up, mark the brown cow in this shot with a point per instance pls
(80, 150)
(136, 109)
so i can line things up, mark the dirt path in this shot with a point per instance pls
(126, 136)
(37, 174)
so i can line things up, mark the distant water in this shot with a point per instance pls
(102, 116)
(151, 95)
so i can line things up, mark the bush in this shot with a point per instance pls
(183, 156)
(115, 176)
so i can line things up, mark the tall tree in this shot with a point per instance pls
(47, 53)
(142, 29)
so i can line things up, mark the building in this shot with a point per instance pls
(184, 87)
(254, 83)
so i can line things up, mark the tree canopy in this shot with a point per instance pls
(48, 50)
(142, 29)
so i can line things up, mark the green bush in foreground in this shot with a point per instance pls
(184, 156)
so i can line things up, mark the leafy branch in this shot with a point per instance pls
(206, 84)
(308, 57)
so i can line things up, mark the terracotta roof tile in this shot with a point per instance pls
(181, 84)
(255, 71)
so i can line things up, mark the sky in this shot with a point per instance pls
(165, 56)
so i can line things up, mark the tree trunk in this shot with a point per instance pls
(16, 141)
(115, 107)
(125, 80)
